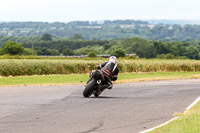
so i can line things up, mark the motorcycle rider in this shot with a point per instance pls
(110, 71)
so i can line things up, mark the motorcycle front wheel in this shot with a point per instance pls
(89, 88)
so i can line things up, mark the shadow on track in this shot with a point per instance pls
(108, 97)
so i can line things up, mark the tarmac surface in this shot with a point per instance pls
(127, 108)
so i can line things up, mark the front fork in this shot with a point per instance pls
(97, 92)
(98, 85)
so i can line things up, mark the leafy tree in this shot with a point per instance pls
(162, 47)
(60, 47)
(92, 54)
(83, 50)
(110, 44)
(46, 37)
(192, 52)
(78, 36)
(28, 51)
(1, 52)
(12, 48)
(67, 51)
(43, 51)
(178, 49)
(118, 53)
(139, 46)
(54, 52)
(188, 38)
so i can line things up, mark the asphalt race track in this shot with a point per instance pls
(127, 108)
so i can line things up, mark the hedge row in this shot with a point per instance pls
(14, 67)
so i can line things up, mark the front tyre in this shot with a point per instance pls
(89, 88)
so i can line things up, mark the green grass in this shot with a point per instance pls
(156, 74)
(188, 122)
(82, 78)
(46, 79)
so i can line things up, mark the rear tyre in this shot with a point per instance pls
(96, 95)
(89, 88)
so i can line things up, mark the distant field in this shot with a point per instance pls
(19, 67)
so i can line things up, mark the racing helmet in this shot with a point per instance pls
(113, 59)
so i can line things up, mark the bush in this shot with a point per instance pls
(181, 57)
(131, 57)
(92, 54)
(166, 56)
(118, 53)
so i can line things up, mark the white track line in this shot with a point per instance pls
(189, 107)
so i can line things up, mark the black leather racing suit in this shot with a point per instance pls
(110, 71)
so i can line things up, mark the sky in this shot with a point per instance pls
(95, 10)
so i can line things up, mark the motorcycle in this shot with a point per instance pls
(96, 84)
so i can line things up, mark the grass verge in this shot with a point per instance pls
(82, 78)
(188, 122)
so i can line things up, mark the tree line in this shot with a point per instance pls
(51, 45)
(103, 30)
